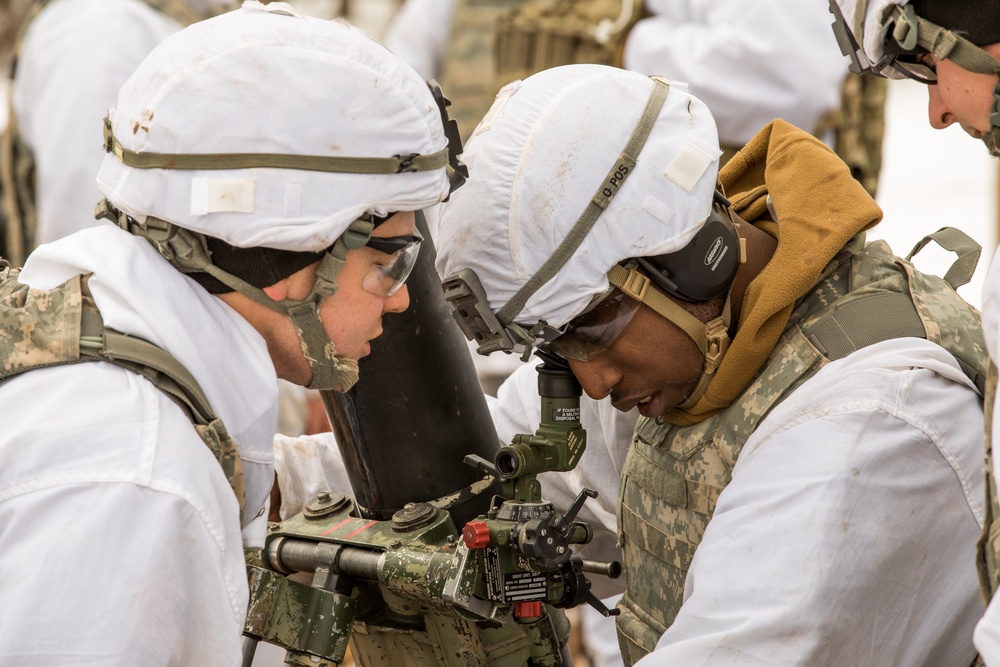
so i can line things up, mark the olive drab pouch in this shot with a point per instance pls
(549, 33)
(42, 328)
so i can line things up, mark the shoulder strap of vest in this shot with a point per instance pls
(81, 336)
(98, 342)
(958, 242)
(864, 322)
(140, 356)
(883, 316)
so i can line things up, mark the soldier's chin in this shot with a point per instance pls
(992, 141)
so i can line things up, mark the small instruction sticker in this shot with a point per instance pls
(566, 414)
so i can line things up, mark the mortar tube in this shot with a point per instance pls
(418, 409)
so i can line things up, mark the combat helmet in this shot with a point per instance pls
(594, 190)
(249, 146)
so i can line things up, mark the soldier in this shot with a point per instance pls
(65, 78)
(954, 48)
(263, 226)
(734, 55)
(803, 393)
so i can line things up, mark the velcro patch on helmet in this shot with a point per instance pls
(691, 162)
(658, 210)
(498, 104)
(223, 195)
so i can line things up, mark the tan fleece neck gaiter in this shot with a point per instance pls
(819, 207)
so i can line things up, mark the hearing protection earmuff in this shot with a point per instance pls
(706, 266)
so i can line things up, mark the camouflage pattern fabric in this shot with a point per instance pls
(673, 476)
(860, 127)
(468, 71)
(988, 548)
(18, 219)
(545, 34)
(494, 42)
(37, 328)
(41, 328)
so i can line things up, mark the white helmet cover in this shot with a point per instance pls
(873, 29)
(537, 159)
(259, 80)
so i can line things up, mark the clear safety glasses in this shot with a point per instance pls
(386, 279)
(591, 333)
(917, 66)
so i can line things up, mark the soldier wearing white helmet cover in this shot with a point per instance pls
(954, 47)
(803, 393)
(261, 171)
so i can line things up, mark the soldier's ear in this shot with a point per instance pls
(278, 291)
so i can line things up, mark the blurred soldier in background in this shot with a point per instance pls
(734, 55)
(70, 59)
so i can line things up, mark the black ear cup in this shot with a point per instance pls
(705, 267)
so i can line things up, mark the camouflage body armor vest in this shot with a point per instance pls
(40, 328)
(988, 548)
(18, 214)
(468, 73)
(673, 476)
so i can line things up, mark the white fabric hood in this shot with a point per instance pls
(266, 80)
(536, 161)
(139, 294)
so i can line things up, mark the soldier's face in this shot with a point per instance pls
(962, 97)
(352, 317)
(652, 364)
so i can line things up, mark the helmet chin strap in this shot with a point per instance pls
(992, 138)
(712, 338)
(189, 253)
